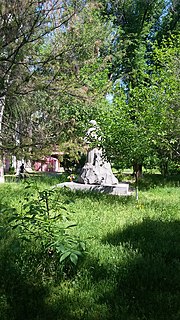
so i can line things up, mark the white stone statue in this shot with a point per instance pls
(94, 153)
(96, 169)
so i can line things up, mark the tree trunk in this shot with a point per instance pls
(137, 170)
(164, 168)
(2, 106)
(137, 173)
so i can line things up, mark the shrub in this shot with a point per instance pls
(43, 219)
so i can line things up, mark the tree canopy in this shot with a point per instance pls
(60, 60)
(143, 123)
(50, 66)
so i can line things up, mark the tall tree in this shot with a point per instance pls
(23, 27)
(133, 22)
(137, 25)
(53, 47)
(152, 135)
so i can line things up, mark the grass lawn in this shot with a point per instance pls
(130, 270)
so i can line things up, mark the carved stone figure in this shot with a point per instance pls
(96, 169)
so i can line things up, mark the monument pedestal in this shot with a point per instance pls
(121, 189)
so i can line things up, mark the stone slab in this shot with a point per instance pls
(118, 189)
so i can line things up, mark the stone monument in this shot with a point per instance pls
(96, 174)
(97, 170)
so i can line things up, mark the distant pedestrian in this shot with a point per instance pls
(21, 171)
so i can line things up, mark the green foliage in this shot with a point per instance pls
(143, 125)
(53, 57)
(43, 218)
(70, 63)
(134, 23)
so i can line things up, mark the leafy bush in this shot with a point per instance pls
(43, 219)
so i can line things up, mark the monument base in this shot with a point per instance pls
(115, 189)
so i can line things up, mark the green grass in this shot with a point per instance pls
(131, 268)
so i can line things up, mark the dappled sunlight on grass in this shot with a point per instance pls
(130, 270)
